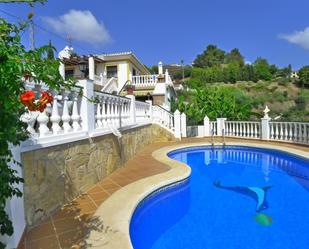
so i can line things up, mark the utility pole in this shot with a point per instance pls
(31, 30)
(69, 39)
(183, 70)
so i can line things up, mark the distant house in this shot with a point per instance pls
(294, 75)
(111, 73)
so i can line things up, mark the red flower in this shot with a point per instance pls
(45, 98)
(27, 97)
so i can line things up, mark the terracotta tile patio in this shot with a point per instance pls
(68, 227)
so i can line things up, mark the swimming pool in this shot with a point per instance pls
(236, 197)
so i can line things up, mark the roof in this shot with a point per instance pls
(75, 60)
(124, 56)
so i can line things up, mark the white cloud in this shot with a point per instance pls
(300, 38)
(80, 25)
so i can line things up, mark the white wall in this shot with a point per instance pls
(122, 73)
(15, 208)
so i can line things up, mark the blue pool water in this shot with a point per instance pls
(218, 206)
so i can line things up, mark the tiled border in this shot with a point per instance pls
(117, 210)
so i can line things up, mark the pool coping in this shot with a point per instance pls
(116, 212)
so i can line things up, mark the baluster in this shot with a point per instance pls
(305, 133)
(108, 111)
(290, 131)
(255, 130)
(103, 113)
(99, 115)
(117, 112)
(286, 132)
(299, 133)
(241, 129)
(55, 117)
(277, 131)
(281, 131)
(43, 120)
(65, 115)
(113, 112)
(271, 130)
(75, 115)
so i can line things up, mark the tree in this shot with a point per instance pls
(235, 57)
(261, 69)
(303, 74)
(231, 72)
(50, 52)
(211, 57)
(15, 63)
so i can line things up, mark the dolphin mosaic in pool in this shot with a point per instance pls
(258, 194)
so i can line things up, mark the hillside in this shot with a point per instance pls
(283, 99)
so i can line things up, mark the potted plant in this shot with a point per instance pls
(130, 89)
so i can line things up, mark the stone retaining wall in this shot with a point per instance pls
(56, 175)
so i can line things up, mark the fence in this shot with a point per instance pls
(83, 112)
(293, 132)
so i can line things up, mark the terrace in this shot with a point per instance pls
(67, 178)
(71, 225)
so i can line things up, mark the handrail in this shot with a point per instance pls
(124, 86)
(164, 109)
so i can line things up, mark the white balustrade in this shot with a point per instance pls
(213, 128)
(144, 80)
(112, 111)
(290, 131)
(60, 117)
(142, 111)
(163, 117)
(245, 129)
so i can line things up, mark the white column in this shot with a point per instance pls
(87, 107)
(62, 70)
(265, 131)
(166, 76)
(183, 125)
(91, 67)
(43, 120)
(160, 68)
(206, 127)
(220, 126)
(55, 117)
(150, 109)
(132, 109)
(177, 123)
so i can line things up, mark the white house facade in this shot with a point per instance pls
(111, 73)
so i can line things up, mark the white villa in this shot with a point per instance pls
(112, 72)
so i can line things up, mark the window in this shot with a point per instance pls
(111, 71)
(69, 73)
(134, 72)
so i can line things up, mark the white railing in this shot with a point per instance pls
(213, 128)
(294, 132)
(145, 80)
(83, 112)
(289, 131)
(143, 112)
(59, 118)
(111, 111)
(246, 129)
(100, 79)
(163, 118)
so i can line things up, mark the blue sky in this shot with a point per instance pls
(171, 30)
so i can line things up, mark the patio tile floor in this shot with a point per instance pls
(68, 227)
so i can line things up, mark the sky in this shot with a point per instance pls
(170, 30)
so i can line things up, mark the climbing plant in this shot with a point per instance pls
(16, 63)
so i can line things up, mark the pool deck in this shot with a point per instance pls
(71, 226)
